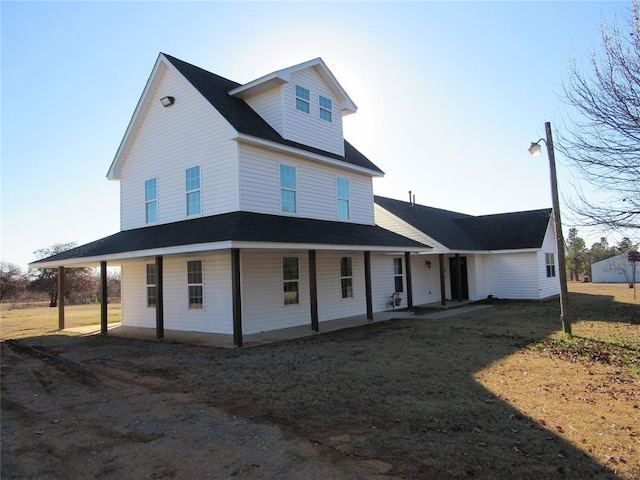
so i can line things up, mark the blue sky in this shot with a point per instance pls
(449, 94)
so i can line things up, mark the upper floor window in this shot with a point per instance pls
(346, 277)
(290, 278)
(193, 190)
(325, 108)
(151, 285)
(302, 99)
(342, 188)
(397, 275)
(551, 264)
(195, 284)
(151, 200)
(287, 189)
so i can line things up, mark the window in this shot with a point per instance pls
(287, 189)
(151, 285)
(290, 278)
(325, 108)
(397, 274)
(346, 277)
(342, 188)
(302, 99)
(194, 283)
(551, 264)
(151, 200)
(193, 190)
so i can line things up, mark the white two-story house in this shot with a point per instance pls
(243, 209)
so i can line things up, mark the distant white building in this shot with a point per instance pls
(614, 270)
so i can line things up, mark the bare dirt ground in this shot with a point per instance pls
(424, 399)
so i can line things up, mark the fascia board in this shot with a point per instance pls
(259, 85)
(251, 140)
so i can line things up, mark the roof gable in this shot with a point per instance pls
(459, 231)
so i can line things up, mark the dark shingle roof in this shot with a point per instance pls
(240, 227)
(245, 120)
(458, 231)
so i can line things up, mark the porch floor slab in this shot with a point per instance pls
(220, 340)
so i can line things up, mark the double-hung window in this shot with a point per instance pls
(325, 108)
(342, 188)
(287, 189)
(302, 99)
(151, 200)
(346, 277)
(192, 180)
(550, 264)
(195, 284)
(151, 285)
(290, 278)
(397, 275)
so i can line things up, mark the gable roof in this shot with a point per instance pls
(256, 228)
(459, 231)
(215, 89)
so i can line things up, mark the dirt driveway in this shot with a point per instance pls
(394, 399)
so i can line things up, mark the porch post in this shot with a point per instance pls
(367, 285)
(313, 291)
(105, 298)
(459, 273)
(237, 297)
(407, 262)
(159, 299)
(443, 292)
(60, 298)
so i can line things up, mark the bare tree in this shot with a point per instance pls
(13, 281)
(603, 139)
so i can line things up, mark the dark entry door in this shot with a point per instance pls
(459, 280)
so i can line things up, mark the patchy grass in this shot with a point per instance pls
(32, 320)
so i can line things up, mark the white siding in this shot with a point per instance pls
(425, 281)
(548, 286)
(476, 277)
(383, 284)
(215, 317)
(616, 269)
(174, 138)
(331, 305)
(269, 105)
(316, 195)
(512, 275)
(309, 129)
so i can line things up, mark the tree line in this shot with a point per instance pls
(580, 258)
(82, 285)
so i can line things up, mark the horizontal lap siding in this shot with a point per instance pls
(269, 105)
(383, 283)
(331, 305)
(310, 129)
(426, 281)
(263, 307)
(170, 140)
(135, 312)
(548, 286)
(316, 194)
(512, 275)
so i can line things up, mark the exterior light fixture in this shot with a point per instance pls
(428, 264)
(534, 150)
(167, 101)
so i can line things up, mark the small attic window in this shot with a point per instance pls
(302, 99)
(325, 108)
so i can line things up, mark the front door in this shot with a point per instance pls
(459, 280)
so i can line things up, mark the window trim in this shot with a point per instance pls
(550, 264)
(327, 110)
(288, 189)
(151, 285)
(192, 191)
(290, 281)
(398, 275)
(151, 201)
(340, 200)
(301, 100)
(346, 277)
(195, 284)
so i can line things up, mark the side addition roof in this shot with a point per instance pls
(459, 231)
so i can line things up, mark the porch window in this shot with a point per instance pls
(192, 180)
(151, 200)
(195, 284)
(302, 99)
(397, 275)
(325, 108)
(291, 277)
(287, 189)
(151, 285)
(342, 188)
(551, 264)
(346, 277)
